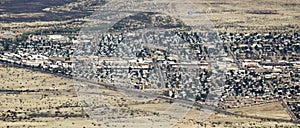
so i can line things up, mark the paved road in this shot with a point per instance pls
(233, 56)
(111, 87)
(284, 104)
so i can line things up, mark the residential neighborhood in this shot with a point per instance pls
(257, 70)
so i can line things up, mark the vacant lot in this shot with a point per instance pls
(269, 110)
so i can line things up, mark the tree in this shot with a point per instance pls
(6, 46)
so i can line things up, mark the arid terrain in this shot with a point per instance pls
(229, 16)
(252, 16)
(31, 15)
(34, 99)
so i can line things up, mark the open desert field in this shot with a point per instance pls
(38, 100)
(28, 16)
(229, 15)
(270, 110)
(252, 15)
(220, 120)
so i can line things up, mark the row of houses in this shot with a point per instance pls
(149, 64)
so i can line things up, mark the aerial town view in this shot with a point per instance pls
(149, 63)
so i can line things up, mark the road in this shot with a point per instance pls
(284, 104)
(233, 56)
(168, 99)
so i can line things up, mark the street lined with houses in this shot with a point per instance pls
(250, 69)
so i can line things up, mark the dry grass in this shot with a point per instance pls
(220, 120)
(226, 16)
(53, 123)
(248, 16)
(269, 110)
(39, 102)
